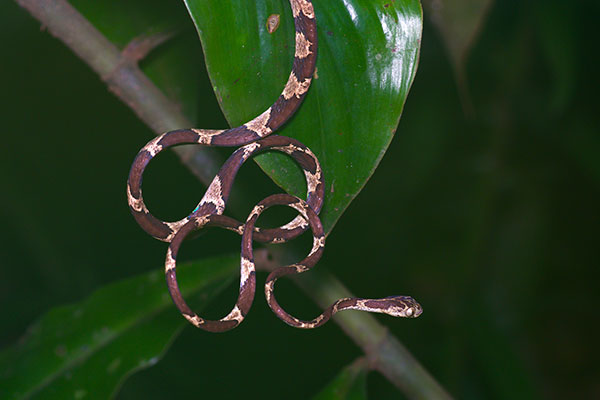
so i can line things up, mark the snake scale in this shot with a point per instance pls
(252, 138)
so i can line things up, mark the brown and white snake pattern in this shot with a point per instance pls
(253, 137)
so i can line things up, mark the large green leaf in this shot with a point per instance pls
(349, 384)
(86, 350)
(367, 59)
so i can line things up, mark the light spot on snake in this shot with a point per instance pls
(259, 124)
(289, 149)
(239, 230)
(313, 180)
(300, 268)
(272, 23)
(298, 222)
(174, 227)
(136, 205)
(214, 195)
(247, 267)
(302, 6)
(256, 211)
(295, 88)
(170, 261)
(302, 46)
(317, 244)
(269, 290)
(249, 149)
(205, 135)
(153, 147)
(301, 207)
(194, 319)
(234, 315)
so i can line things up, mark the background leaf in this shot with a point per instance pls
(349, 384)
(367, 59)
(459, 22)
(86, 350)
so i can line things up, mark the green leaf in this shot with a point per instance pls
(86, 350)
(349, 384)
(367, 59)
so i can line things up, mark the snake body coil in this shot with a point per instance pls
(254, 138)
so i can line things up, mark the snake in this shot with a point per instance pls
(253, 138)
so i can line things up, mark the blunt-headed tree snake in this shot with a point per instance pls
(252, 138)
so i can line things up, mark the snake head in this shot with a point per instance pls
(403, 306)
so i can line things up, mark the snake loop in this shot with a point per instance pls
(247, 280)
(248, 134)
(217, 193)
(253, 137)
(397, 306)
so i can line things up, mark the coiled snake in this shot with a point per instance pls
(254, 138)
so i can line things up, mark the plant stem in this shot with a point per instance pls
(123, 77)
(384, 352)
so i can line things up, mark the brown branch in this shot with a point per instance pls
(384, 352)
(141, 46)
(122, 75)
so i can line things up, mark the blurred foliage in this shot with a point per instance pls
(90, 348)
(350, 384)
(490, 221)
(459, 23)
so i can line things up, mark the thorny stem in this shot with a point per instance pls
(120, 72)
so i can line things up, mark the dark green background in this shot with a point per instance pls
(492, 222)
